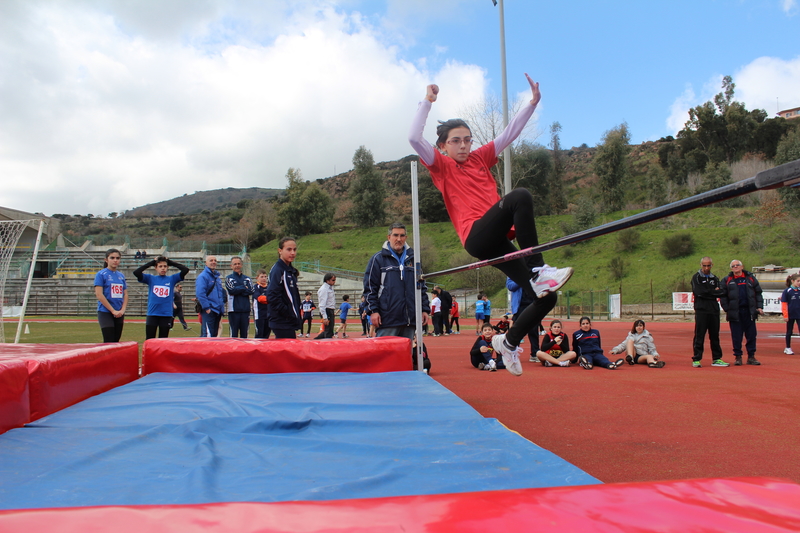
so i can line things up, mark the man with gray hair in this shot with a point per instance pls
(389, 285)
(742, 301)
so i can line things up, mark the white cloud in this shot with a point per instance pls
(789, 6)
(104, 107)
(765, 83)
(768, 83)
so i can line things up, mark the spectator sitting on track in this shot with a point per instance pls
(502, 325)
(481, 353)
(586, 342)
(639, 347)
(555, 347)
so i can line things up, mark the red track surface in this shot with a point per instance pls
(645, 424)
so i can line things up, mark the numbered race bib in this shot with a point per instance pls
(161, 291)
(117, 290)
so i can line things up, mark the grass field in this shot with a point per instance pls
(68, 330)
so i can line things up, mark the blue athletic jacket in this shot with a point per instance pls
(283, 297)
(208, 290)
(389, 287)
(240, 288)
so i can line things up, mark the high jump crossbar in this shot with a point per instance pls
(786, 175)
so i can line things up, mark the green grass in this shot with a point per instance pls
(77, 332)
(722, 233)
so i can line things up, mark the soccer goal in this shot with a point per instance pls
(10, 232)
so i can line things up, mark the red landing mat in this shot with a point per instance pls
(273, 356)
(15, 408)
(60, 375)
(725, 505)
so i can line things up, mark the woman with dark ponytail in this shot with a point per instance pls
(112, 297)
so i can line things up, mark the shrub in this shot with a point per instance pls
(617, 268)
(677, 245)
(628, 240)
(735, 240)
(757, 243)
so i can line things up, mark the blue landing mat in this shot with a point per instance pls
(200, 438)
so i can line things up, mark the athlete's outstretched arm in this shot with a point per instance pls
(423, 148)
(517, 124)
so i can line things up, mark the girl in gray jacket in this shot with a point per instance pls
(640, 347)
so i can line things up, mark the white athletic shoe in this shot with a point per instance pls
(550, 279)
(492, 366)
(788, 351)
(510, 356)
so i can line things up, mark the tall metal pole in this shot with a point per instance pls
(507, 151)
(417, 265)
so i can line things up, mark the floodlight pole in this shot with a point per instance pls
(504, 77)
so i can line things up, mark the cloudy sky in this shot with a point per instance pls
(106, 105)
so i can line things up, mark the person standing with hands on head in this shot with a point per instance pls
(742, 302)
(111, 292)
(160, 294)
(389, 285)
(283, 297)
(326, 297)
(483, 220)
(210, 298)
(240, 288)
(706, 289)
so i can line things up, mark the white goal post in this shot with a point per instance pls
(10, 232)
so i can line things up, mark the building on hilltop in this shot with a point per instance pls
(790, 113)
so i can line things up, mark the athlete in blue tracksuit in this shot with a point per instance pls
(283, 298)
(240, 288)
(586, 343)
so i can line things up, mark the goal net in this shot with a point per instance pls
(10, 232)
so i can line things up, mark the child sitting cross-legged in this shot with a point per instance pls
(482, 351)
(555, 347)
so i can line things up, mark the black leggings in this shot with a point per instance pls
(488, 239)
(157, 323)
(789, 328)
(110, 326)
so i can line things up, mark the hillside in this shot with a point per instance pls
(749, 234)
(199, 201)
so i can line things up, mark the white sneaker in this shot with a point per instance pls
(563, 363)
(481, 366)
(550, 279)
(788, 351)
(533, 359)
(510, 357)
(492, 366)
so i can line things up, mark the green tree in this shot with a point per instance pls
(367, 192)
(558, 196)
(431, 203)
(305, 208)
(719, 175)
(789, 150)
(611, 166)
(721, 130)
(532, 168)
(657, 187)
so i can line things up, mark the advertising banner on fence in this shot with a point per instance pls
(684, 301)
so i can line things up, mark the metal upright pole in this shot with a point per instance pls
(30, 278)
(417, 265)
(507, 151)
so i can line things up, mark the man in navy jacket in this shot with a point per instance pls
(389, 285)
(240, 288)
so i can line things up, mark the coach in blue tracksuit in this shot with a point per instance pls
(389, 285)
(208, 291)
(240, 288)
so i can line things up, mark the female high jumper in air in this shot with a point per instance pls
(486, 223)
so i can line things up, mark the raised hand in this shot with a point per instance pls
(433, 91)
(534, 90)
